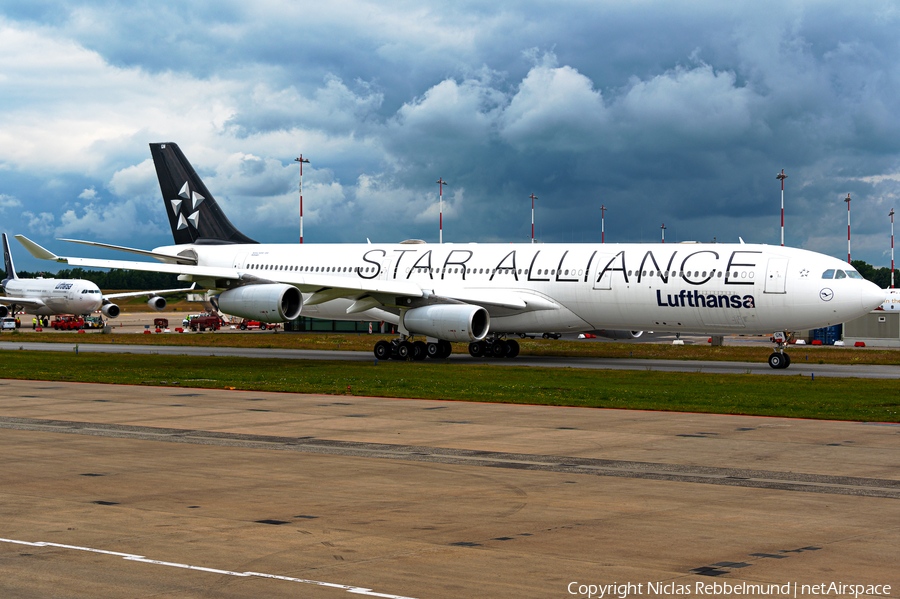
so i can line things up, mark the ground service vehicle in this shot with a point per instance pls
(68, 323)
(94, 322)
(201, 323)
(255, 324)
(161, 323)
(8, 324)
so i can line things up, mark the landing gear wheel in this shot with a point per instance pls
(778, 361)
(512, 348)
(420, 350)
(382, 350)
(433, 350)
(499, 348)
(477, 349)
(404, 349)
(787, 360)
(447, 348)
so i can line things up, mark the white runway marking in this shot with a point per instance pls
(141, 558)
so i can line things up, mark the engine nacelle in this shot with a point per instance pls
(618, 334)
(4, 311)
(157, 302)
(110, 310)
(270, 302)
(450, 322)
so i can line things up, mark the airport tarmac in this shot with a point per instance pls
(799, 367)
(117, 491)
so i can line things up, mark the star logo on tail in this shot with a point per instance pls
(190, 200)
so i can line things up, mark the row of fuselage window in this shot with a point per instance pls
(488, 271)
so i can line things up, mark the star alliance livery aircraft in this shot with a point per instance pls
(482, 293)
(44, 297)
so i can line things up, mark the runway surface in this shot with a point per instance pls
(798, 367)
(114, 491)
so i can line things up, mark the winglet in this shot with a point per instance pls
(38, 251)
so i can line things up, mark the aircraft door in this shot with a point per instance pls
(387, 272)
(775, 275)
(603, 280)
(239, 260)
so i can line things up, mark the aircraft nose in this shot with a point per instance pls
(871, 296)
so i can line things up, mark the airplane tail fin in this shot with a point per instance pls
(8, 261)
(194, 215)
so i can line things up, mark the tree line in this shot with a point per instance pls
(879, 276)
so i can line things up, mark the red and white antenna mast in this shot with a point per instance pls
(782, 177)
(603, 210)
(663, 227)
(441, 182)
(848, 227)
(301, 160)
(533, 198)
(892, 248)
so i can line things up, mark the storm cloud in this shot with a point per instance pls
(664, 113)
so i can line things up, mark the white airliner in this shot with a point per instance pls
(44, 297)
(482, 293)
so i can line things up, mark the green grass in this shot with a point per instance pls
(791, 396)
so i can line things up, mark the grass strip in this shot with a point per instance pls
(788, 396)
(529, 347)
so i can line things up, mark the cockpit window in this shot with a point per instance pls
(840, 275)
(853, 274)
(828, 274)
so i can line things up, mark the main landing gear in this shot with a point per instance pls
(404, 349)
(779, 359)
(494, 348)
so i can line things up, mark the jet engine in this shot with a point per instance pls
(4, 311)
(450, 322)
(269, 302)
(110, 310)
(618, 334)
(158, 303)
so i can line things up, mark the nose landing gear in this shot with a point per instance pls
(778, 359)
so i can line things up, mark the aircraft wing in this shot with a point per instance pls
(25, 302)
(323, 288)
(152, 293)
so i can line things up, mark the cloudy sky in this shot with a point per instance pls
(675, 113)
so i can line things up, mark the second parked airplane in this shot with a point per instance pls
(45, 297)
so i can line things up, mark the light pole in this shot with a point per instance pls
(533, 198)
(441, 182)
(301, 160)
(892, 248)
(663, 227)
(782, 177)
(603, 210)
(848, 227)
